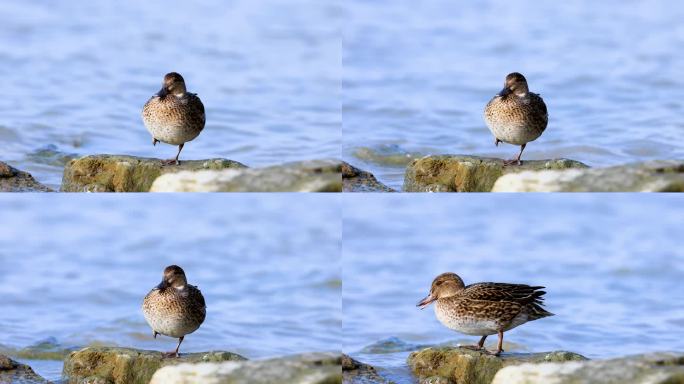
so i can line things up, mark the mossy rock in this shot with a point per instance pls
(462, 365)
(650, 176)
(120, 173)
(14, 180)
(458, 173)
(656, 368)
(301, 176)
(309, 368)
(357, 180)
(128, 366)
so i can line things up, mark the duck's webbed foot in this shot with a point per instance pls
(473, 347)
(517, 160)
(171, 162)
(477, 347)
(512, 162)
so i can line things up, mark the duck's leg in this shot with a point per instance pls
(174, 161)
(499, 346)
(175, 353)
(496, 141)
(517, 160)
(478, 347)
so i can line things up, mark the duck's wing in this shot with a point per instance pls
(540, 107)
(519, 293)
(197, 296)
(197, 108)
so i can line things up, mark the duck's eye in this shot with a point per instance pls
(438, 283)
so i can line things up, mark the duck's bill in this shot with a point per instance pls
(162, 285)
(426, 301)
(504, 92)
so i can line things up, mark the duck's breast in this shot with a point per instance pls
(514, 120)
(454, 318)
(174, 120)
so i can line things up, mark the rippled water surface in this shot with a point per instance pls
(417, 78)
(74, 273)
(612, 269)
(75, 76)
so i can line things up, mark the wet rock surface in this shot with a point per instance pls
(128, 366)
(309, 368)
(302, 176)
(458, 173)
(14, 180)
(649, 368)
(119, 173)
(356, 372)
(652, 176)
(12, 371)
(357, 180)
(460, 365)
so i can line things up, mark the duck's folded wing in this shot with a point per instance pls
(197, 296)
(197, 108)
(520, 293)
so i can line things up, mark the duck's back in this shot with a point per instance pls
(516, 120)
(174, 120)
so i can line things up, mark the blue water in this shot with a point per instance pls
(418, 75)
(75, 76)
(612, 269)
(75, 271)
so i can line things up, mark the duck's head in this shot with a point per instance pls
(174, 276)
(173, 85)
(515, 83)
(445, 285)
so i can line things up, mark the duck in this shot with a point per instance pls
(173, 115)
(484, 309)
(174, 308)
(515, 115)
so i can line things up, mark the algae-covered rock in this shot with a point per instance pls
(14, 372)
(357, 180)
(462, 365)
(650, 368)
(128, 366)
(14, 180)
(119, 173)
(356, 372)
(456, 173)
(302, 176)
(652, 176)
(310, 368)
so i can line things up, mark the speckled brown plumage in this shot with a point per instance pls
(484, 308)
(174, 308)
(516, 115)
(173, 115)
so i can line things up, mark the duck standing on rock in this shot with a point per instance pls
(483, 309)
(516, 115)
(174, 308)
(173, 115)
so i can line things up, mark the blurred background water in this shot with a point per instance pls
(418, 75)
(74, 272)
(75, 76)
(613, 270)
